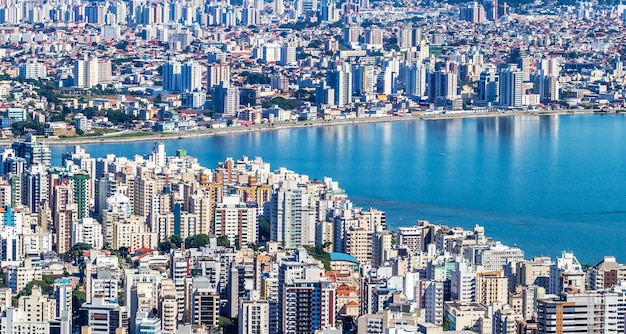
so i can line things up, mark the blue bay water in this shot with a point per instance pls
(543, 183)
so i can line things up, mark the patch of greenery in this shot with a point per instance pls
(173, 242)
(343, 47)
(19, 128)
(76, 251)
(264, 229)
(435, 50)
(298, 26)
(253, 78)
(318, 253)
(283, 103)
(196, 241)
(223, 241)
(46, 290)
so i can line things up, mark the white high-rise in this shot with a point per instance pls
(363, 79)
(158, 154)
(253, 317)
(292, 218)
(218, 73)
(415, 80)
(86, 72)
(191, 77)
(463, 282)
(236, 221)
(566, 274)
(89, 231)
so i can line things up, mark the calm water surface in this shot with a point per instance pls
(544, 183)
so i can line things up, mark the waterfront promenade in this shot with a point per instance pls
(136, 135)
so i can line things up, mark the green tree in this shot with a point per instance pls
(253, 78)
(223, 241)
(264, 229)
(19, 128)
(173, 242)
(78, 298)
(318, 253)
(48, 279)
(198, 240)
(46, 288)
(284, 103)
(76, 251)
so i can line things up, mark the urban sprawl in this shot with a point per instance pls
(156, 244)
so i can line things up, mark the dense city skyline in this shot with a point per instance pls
(179, 233)
(155, 244)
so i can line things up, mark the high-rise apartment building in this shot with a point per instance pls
(253, 317)
(511, 89)
(218, 73)
(606, 274)
(305, 296)
(31, 151)
(340, 80)
(226, 99)
(236, 220)
(292, 215)
(86, 72)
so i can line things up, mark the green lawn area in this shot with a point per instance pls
(435, 50)
(136, 134)
(98, 131)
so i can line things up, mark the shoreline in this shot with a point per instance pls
(140, 136)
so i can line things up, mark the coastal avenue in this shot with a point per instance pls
(541, 182)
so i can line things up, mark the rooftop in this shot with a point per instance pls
(335, 256)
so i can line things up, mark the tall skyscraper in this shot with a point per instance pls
(291, 216)
(442, 86)
(363, 79)
(511, 80)
(63, 296)
(472, 12)
(226, 99)
(80, 182)
(415, 75)
(191, 77)
(34, 187)
(254, 316)
(236, 221)
(32, 151)
(305, 296)
(218, 73)
(172, 80)
(158, 154)
(491, 9)
(547, 86)
(488, 86)
(340, 80)
(86, 72)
